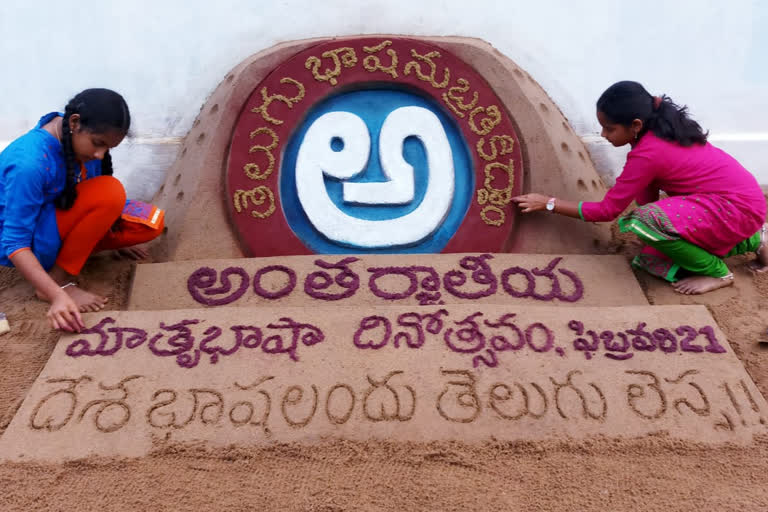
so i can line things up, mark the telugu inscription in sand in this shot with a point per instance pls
(259, 376)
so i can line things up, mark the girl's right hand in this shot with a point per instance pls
(64, 313)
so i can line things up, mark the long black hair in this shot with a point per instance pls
(623, 102)
(100, 110)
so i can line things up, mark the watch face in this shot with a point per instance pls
(550, 205)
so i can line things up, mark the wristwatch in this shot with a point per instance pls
(551, 204)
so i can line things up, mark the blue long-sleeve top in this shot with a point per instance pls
(32, 174)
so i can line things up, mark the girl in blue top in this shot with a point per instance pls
(59, 202)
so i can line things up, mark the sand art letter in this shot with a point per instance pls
(211, 334)
(282, 292)
(466, 407)
(105, 404)
(501, 393)
(430, 284)
(556, 291)
(414, 320)
(586, 412)
(703, 409)
(275, 345)
(501, 342)
(263, 109)
(665, 340)
(369, 323)
(475, 339)
(415, 66)
(293, 396)
(71, 396)
(205, 278)
(182, 342)
(216, 402)
(372, 62)
(458, 106)
(481, 274)
(348, 59)
(319, 280)
(247, 406)
(341, 419)
(637, 391)
(384, 413)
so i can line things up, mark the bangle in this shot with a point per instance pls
(71, 283)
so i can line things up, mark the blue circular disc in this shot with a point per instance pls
(373, 106)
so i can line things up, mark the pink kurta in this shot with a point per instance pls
(714, 202)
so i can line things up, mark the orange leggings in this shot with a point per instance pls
(85, 228)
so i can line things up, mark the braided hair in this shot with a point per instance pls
(100, 110)
(626, 101)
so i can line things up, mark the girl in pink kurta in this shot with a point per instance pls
(714, 207)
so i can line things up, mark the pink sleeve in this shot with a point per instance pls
(633, 184)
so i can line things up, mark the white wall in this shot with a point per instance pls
(167, 56)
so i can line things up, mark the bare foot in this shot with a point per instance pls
(87, 302)
(696, 285)
(760, 264)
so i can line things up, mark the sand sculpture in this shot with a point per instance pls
(506, 335)
(241, 135)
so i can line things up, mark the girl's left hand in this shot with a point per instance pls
(531, 202)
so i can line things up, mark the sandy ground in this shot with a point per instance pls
(649, 474)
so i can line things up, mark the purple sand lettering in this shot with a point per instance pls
(431, 283)
(713, 346)
(372, 322)
(610, 344)
(320, 280)
(642, 339)
(274, 344)
(491, 361)
(205, 277)
(431, 286)
(81, 347)
(582, 344)
(279, 294)
(500, 342)
(508, 287)
(547, 332)
(665, 340)
(412, 320)
(213, 333)
(555, 293)
(136, 338)
(560, 351)
(578, 286)
(251, 340)
(181, 347)
(686, 344)
(481, 274)
(468, 335)
(434, 321)
(187, 360)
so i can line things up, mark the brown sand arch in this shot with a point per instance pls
(555, 159)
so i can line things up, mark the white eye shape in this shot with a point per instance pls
(316, 158)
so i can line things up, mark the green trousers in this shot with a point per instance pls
(684, 254)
